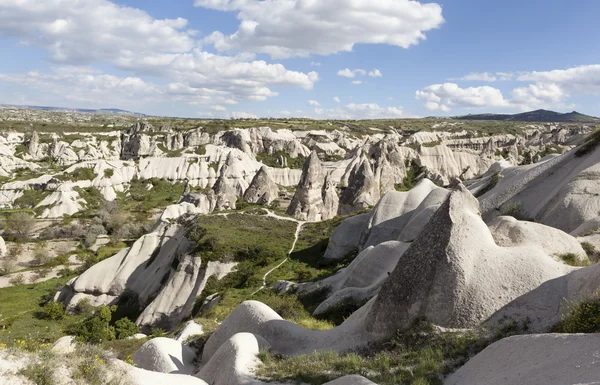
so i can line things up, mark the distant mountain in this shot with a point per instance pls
(536, 116)
(104, 111)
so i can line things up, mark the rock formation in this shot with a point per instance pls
(262, 190)
(307, 203)
(454, 275)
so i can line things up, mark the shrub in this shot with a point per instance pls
(491, 184)
(590, 250)
(96, 328)
(514, 210)
(20, 225)
(109, 172)
(84, 306)
(157, 332)
(18, 279)
(41, 256)
(54, 311)
(125, 328)
(572, 259)
(581, 317)
(41, 372)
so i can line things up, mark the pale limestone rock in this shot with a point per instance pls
(262, 189)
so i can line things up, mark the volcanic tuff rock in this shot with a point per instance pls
(157, 269)
(307, 203)
(362, 191)
(454, 275)
(262, 190)
(546, 359)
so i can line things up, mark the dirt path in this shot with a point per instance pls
(296, 235)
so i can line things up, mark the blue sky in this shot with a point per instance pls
(321, 59)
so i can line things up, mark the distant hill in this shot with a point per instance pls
(536, 116)
(105, 111)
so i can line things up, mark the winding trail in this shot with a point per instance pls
(296, 235)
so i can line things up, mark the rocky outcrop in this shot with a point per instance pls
(546, 359)
(164, 355)
(157, 270)
(454, 275)
(2, 247)
(262, 189)
(362, 191)
(307, 203)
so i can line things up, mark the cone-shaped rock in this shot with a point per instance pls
(307, 203)
(454, 275)
(262, 190)
(362, 191)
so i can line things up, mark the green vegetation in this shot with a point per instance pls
(170, 153)
(413, 170)
(31, 198)
(572, 259)
(515, 210)
(591, 251)
(149, 194)
(590, 144)
(491, 184)
(82, 173)
(272, 160)
(581, 317)
(419, 357)
(41, 373)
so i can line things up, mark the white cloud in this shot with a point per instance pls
(243, 115)
(444, 97)
(375, 73)
(314, 103)
(315, 64)
(357, 82)
(99, 31)
(217, 107)
(485, 77)
(359, 111)
(581, 80)
(336, 99)
(348, 73)
(287, 28)
(537, 96)
(86, 87)
(85, 31)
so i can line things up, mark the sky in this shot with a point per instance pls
(322, 59)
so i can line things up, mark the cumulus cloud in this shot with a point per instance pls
(581, 80)
(336, 99)
(444, 97)
(314, 103)
(375, 73)
(348, 73)
(99, 31)
(217, 107)
(315, 64)
(357, 82)
(288, 28)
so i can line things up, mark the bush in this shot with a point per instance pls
(590, 250)
(157, 332)
(572, 259)
(514, 210)
(41, 256)
(54, 311)
(581, 317)
(84, 306)
(20, 225)
(125, 328)
(96, 328)
(18, 279)
(41, 373)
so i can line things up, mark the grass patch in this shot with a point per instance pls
(491, 184)
(422, 356)
(581, 317)
(590, 144)
(22, 315)
(572, 259)
(82, 173)
(273, 160)
(31, 198)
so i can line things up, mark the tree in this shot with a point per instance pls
(20, 225)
